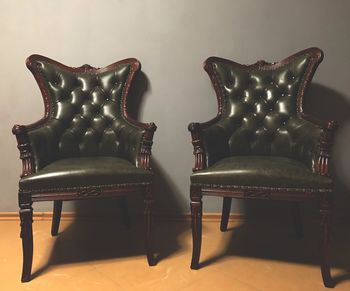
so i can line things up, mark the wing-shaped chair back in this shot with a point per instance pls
(261, 145)
(85, 147)
(259, 107)
(85, 111)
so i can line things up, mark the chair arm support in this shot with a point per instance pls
(198, 149)
(25, 149)
(314, 139)
(324, 153)
(325, 141)
(138, 140)
(205, 155)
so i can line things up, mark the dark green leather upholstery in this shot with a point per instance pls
(260, 114)
(260, 125)
(86, 116)
(86, 137)
(84, 172)
(261, 171)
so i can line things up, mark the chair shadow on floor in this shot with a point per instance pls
(273, 237)
(99, 232)
(276, 241)
(103, 235)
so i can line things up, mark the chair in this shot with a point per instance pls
(261, 144)
(85, 147)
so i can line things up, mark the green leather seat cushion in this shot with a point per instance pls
(261, 171)
(85, 172)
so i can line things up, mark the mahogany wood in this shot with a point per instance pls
(196, 214)
(57, 209)
(226, 208)
(148, 213)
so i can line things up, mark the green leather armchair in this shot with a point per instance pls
(85, 146)
(261, 144)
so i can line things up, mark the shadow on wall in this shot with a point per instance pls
(103, 235)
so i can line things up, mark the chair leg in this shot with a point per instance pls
(26, 216)
(148, 216)
(226, 208)
(296, 216)
(325, 211)
(57, 209)
(123, 203)
(196, 213)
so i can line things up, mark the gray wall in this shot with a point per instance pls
(171, 39)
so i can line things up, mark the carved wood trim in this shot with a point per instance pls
(261, 193)
(25, 150)
(257, 194)
(144, 158)
(89, 192)
(66, 195)
(198, 149)
(323, 158)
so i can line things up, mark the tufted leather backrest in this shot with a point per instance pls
(84, 109)
(260, 105)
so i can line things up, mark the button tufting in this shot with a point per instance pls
(256, 111)
(85, 109)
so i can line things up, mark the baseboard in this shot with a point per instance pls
(70, 216)
(180, 217)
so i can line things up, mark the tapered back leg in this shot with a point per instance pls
(226, 208)
(148, 221)
(57, 209)
(325, 211)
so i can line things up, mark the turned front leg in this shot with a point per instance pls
(26, 216)
(148, 217)
(196, 214)
(325, 211)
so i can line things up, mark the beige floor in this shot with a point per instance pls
(103, 256)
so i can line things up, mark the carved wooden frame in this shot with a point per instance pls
(321, 167)
(26, 198)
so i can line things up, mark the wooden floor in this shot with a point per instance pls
(102, 255)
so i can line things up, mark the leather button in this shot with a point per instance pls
(230, 82)
(260, 123)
